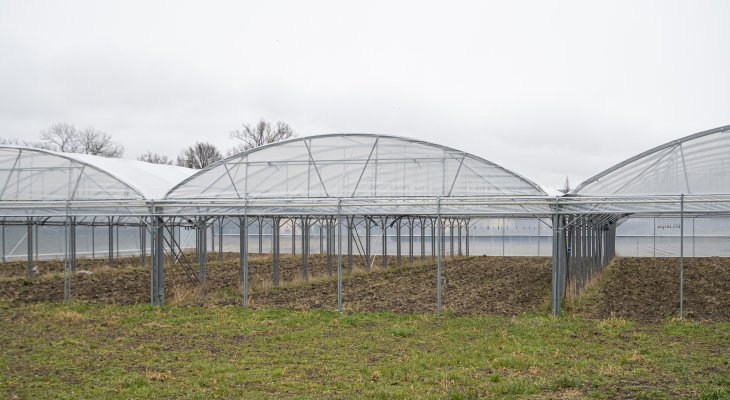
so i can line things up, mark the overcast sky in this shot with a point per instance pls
(547, 89)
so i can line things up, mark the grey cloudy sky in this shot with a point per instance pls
(547, 89)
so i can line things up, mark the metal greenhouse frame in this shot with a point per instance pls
(358, 183)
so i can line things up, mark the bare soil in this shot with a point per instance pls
(477, 285)
(644, 289)
(647, 289)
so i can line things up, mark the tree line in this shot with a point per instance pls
(67, 138)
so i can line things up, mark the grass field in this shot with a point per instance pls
(51, 350)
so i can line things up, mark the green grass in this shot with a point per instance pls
(50, 350)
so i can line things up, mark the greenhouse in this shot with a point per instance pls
(366, 198)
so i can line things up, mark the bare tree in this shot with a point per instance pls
(260, 134)
(65, 137)
(199, 156)
(155, 158)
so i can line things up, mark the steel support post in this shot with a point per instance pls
(339, 257)
(73, 244)
(157, 259)
(202, 251)
(451, 237)
(143, 245)
(321, 237)
(423, 238)
(111, 242)
(350, 228)
(458, 247)
(466, 237)
(681, 257)
(329, 246)
(398, 241)
(368, 253)
(438, 264)
(66, 260)
(410, 240)
(3, 228)
(433, 240)
(220, 239)
(261, 234)
(557, 272)
(29, 267)
(385, 242)
(275, 223)
(243, 257)
(293, 236)
(305, 245)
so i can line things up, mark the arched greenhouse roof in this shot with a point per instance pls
(698, 164)
(353, 166)
(31, 174)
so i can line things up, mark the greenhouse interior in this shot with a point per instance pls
(364, 199)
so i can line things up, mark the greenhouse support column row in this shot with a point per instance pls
(201, 248)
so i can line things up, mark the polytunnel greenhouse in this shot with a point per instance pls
(374, 200)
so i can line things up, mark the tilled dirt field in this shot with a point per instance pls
(477, 285)
(644, 289)
(647, 289)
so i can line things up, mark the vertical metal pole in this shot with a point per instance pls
(350, 228)
(220, 239)
(66, 263)
(350, 237)
(385, 242)
(117, 240)
(30, 247)
(451, 237)
(681, 258)
(459, 238)
(555, 286)
(339, 256)
(111, 242)
(321, 237)
(275, 224)
(398, 241)
(438, 267)
(433, 239)
(160, 270)
(466, 238)
(330, 243)
(368, 254)
(73, 244)
(305, 250)
(93, 235)
(243, 255)
(423, 238)
(539, 222)
(293, 236)
(410, 240)
(261, 234)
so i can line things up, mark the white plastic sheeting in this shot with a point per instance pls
(353, 166)
(29, 174)
(698, 164)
